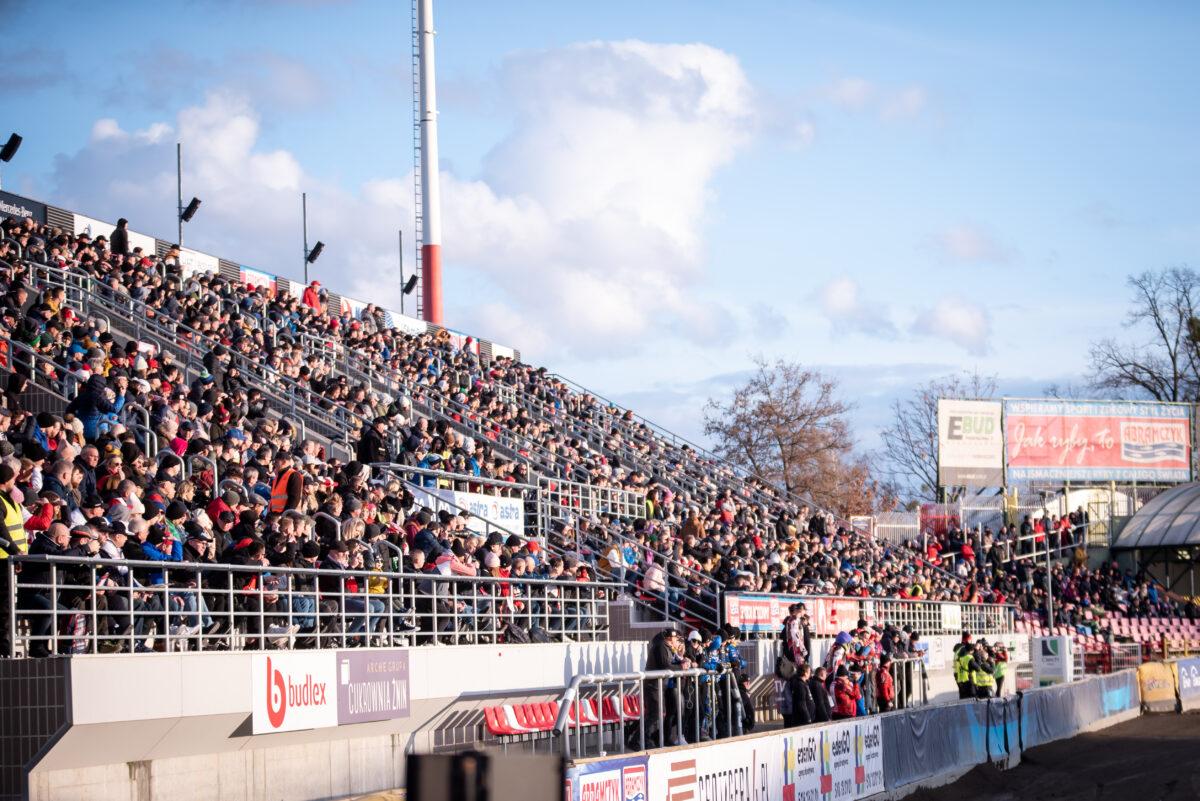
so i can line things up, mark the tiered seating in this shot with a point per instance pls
(537, 718)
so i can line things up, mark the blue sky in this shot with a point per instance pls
(890, 192)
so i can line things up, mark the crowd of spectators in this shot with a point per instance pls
(215, 448)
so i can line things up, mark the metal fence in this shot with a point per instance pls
(674, 707)
(569, 500)
(897, 527)
(72, 605)
(830, 614)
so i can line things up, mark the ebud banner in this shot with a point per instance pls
(1097, 441)
(293, 690)
(970, 443)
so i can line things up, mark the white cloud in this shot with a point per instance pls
(851, 93)
(843, 305)
(957, 320)
(889, 103)
(907, 103)
(586, 223)
(971, 244)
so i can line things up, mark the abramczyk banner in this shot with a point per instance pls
(970, 444)
(1097, 441)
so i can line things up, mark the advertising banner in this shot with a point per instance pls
(508, 513)
(193, 261)
(951, 617)
(1157, 683)
(1052, 661)
(372, 685)
(257, 278)
(293, 690)
(1187, 675)
(1097, 441)
(832, 615)
(22, 208)
(95, 228)
(970, 443)
(837, 761)
(755, 612)
(622, 779)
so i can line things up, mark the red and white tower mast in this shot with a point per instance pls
(427, 183)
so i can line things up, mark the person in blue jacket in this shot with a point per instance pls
(92, 403)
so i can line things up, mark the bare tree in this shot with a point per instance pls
(910, 440)
(786, 424)
(1162, 362)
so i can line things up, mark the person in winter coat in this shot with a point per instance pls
(822, 707)
(885, 686)
(372, 448)
(92, 403)
(845, 695)
(804, 708)
(838, 654)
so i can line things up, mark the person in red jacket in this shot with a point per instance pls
(845, 695)
(885, 686)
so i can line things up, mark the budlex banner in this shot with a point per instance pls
(293, 690)
(1056, 440)
(970, 443)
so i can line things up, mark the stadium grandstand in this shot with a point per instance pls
(261, 539)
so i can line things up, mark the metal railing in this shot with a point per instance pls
(926, 617)
(681, 706)
(530, 494)
(71, 605)
(564, 500)
(699, 599)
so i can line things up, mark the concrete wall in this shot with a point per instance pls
(178, 725)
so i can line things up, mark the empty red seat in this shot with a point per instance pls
(633, 706)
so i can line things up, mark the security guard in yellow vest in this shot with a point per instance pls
(12, 542)
(982, 672)
(962, 672)
(1000, 659)
(13, 539)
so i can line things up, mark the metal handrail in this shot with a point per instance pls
(274, 605)
(574, 710)
(925, 616)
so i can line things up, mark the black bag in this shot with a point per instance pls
(515, 634)
(538, 634)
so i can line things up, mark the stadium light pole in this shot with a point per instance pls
(8, 151)
(182, 213)
(310, 256)
(431, 235)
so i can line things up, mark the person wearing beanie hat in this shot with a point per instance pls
(846, 695)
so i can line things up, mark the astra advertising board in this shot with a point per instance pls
(970, 443)
(508, 513)
(1097, 441)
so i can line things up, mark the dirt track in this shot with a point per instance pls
(1151, 758)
